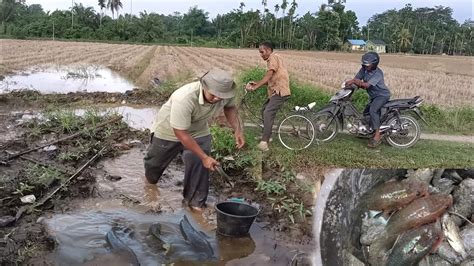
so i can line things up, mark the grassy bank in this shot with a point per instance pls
(440, 120)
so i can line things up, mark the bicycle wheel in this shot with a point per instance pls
(326, 126)
(296, 132)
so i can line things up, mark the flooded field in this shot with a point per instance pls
(65, 79)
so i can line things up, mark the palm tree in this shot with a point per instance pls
(264, 3)
(404, 39)
(277, 8)
(283, 7)
(291, 13)
(102, 5)
(114, 6)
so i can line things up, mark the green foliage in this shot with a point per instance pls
(224, 149)
(23, 189)
(454, 120)
(270, 187)
(42, 176)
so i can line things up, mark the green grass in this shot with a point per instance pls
(440, 120)
(350, 152)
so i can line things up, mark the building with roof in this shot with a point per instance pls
(356, 45)
(378, 46)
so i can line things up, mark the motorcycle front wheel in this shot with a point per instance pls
(404, 133)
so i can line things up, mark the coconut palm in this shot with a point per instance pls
(114, 6)
(277, 8)
(102, 5)
(404, 40)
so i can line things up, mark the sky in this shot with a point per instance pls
(364, 9)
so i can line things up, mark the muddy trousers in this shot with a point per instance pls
(196, 176)
(269, 110)
(373, 110)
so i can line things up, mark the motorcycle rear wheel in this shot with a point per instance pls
(404, 137)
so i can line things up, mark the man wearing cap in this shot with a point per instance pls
(182, 126)
(278, 90)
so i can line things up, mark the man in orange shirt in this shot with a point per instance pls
(278, 89)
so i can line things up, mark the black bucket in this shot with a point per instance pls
(235, 218)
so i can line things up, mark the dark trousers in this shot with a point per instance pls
(373, 110)
(196, 176)
(269, 110)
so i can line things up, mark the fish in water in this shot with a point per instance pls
(120, 248)
(413, 245)
(393, 195)
(196, 239)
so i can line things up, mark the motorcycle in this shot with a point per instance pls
(398, 128)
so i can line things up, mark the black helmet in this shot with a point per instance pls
(370, 58)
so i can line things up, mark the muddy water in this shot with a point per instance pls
(125, 202)
(64, 79)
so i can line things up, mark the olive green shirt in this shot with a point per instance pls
(186, 109)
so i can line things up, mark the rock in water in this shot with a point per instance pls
(463, 200)
(467, 235)
(423, 174)
(6, 220)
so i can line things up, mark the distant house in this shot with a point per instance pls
(378, 46)
(356, 45)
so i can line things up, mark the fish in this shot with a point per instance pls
(394, 195)
(419, 212)
(451, 231)
(413, 245)
(196, 239)
(121, 248)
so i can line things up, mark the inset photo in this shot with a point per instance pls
(395, 217)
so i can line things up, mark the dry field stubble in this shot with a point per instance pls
(18, 54)
(407, 76)
(441, 80)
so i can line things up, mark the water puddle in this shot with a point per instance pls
(137, 117)
(128, 206)
(65, 79)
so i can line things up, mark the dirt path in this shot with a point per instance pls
(455, 138)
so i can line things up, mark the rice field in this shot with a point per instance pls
(441, 80)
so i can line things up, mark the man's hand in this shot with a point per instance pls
(210, 163)
(349, 82)
(251, 86)
(239, 139)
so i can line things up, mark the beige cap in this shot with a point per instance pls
(219, 82)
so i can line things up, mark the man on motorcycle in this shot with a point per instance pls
(370, 77)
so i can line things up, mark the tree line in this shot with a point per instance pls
(421, 30)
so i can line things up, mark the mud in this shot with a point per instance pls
(70, 229)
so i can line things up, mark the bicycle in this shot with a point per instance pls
(295, 131)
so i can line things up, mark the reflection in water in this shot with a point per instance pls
(77, 78)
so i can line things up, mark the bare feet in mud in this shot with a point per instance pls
(152, 195)
(197, 209)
